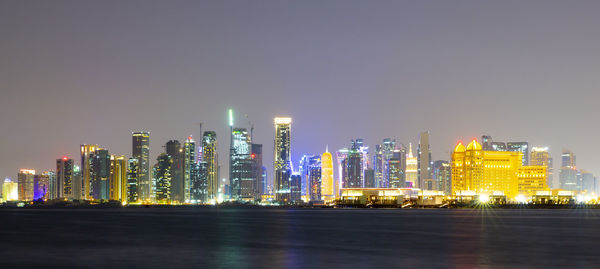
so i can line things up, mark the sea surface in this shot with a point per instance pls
(299, 238)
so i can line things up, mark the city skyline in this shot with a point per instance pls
(83, 83)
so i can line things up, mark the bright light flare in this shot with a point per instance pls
(521, 199)
(484, 198)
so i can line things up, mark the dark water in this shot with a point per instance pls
(299, 238)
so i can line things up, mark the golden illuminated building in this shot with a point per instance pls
(541, 157)
(487, 172)
(412, 169)
(10, 190)
(532, 179)
(25, 181)
(118, 178)
(327, 192)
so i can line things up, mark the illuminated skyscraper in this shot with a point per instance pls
(210, 157)
(118, 178)
(442, 174)
(41, 186)
(353, 170)
(132, 181)
(87, 152)
(282, 161)
(189, 163)
(10, 190)
(99, 174)
(64, 178)
(305, 163)
(424, 159)
(257, 157)
(294, 186)
(314, 180)
(399, 170)
(387, 153)
(175, 152)
(162, 175)
(77, 183)
(141, 151)
(588, 182)
(486, 142)
(395, 173)
(327, 181)
(522, 147)
(25, 181)
(541, 157)
(378, 165)
(341, 156)
(568, 172)
(199, 188)
(412, 169)
(242, 167)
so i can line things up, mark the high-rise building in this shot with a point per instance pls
(175, 152)
(541, 157)
(25, 181)
(327, 181)
(395, 173)
(353, 169)
(378, 165)
(588, 182)
(64, 178)
(162, 175)
(305, 163)
(77, 183)
(412, 169)
(141, 151)
(10, 190)
(41, 186)
(489, 172)
(341, 156)
(442, 174)
(295, 186)
(210, 157)
(189, 164)
(52, 189)
(199, 181)
(387, 153)
(370, 178)
(259, 180)
(99, 164)
(242, 175)
(424, 159)
(522, 147)
(282, 161)
(133, 194)
(87, 153)
(486, 142)
(314, 180)
(568, 172)
(118, 178)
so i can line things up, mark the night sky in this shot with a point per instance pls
(75, 72)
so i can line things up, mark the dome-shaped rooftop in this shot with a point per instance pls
(459, 147)
(474, 145)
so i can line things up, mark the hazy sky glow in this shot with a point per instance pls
(74, 72)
